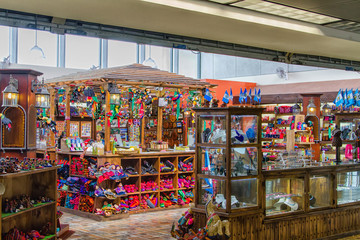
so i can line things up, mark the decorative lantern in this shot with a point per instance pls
(42, 98)
(326, 110)
(311, 108)
(11, 94)
(114, 95)
(296, 109)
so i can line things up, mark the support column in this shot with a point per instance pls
(67, 111)
(52, 114)
(13, 44)
(316, 119)
(107, 118)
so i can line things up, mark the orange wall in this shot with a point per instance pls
(224, 85)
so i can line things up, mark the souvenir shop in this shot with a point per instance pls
(102, 144)
(107, 144)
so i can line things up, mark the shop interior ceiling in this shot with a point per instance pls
(220, 26)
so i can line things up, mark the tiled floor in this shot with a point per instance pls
(151, 225)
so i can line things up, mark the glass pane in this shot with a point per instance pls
(284, 195)
(212, 161)
(188, 63)
(213, 129)
(244, 193)
(244, 161)
(46, 42)
(81, 52)
(320, 191)
(348, 187)
(121, 53)
(161, 56)
(243, 129)
(4, 46)
(208, 187)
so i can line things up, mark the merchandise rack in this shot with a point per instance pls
(135, 161)
(34, 183)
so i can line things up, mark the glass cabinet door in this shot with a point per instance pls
(212, 129)
(348, 187)
(211, 161)
(284, 195)
(244, 161)
(320, 194)
(244, 193)
(244, 129)
(208, 187)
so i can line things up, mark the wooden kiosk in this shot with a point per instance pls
(158, 125)
(316, 202)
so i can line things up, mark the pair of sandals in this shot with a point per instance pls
(130, 170)
(147, 168)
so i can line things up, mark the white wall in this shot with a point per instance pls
(48, 72)
(297, 77)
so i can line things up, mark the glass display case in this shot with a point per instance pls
(348, 187)
(284, 195)
(321, 191)
(228, 148)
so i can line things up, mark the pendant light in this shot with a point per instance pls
(326, 110)
(150, 62)
(36, 50)
(114, 94)
(11, 94)
(42, 97)
(311, 108)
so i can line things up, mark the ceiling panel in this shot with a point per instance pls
(203, 19)
(345, 9)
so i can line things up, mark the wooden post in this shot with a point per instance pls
(306, 99)
(159, 119)
(52, 115)
(107, 127)
(67, 111)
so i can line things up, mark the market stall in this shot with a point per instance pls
(142, 130)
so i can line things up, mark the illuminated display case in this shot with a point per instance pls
(228, 148)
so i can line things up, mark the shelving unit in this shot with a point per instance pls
(135, 161)
(34, 183)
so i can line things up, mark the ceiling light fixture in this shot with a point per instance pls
(284, 11)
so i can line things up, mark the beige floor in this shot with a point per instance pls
(151, 225)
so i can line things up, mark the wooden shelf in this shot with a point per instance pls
(147, 174)
(282, 125)
(168, 190)
(267, 121)
(284, 114)
(167, 173)
(185, 172)
(135, 175)
(304, 143)
(301, 130)
(144, 192)
(133, 193)
(25, 173)
(6, 216)
(270, 139)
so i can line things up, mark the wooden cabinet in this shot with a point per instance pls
(36, 184)
(288, 203)
(137, 161)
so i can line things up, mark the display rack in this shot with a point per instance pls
(136, 161)
(314, 202)
(34, 183)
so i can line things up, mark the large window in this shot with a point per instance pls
(188, 63)
(161, 56)
(4, 46)
(81, 52)
(43, 54)
(121, 53)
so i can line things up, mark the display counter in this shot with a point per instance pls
(297, 199)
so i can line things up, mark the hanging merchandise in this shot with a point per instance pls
(61, 95)
(5, 121)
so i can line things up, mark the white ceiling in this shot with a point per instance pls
(205, 20)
